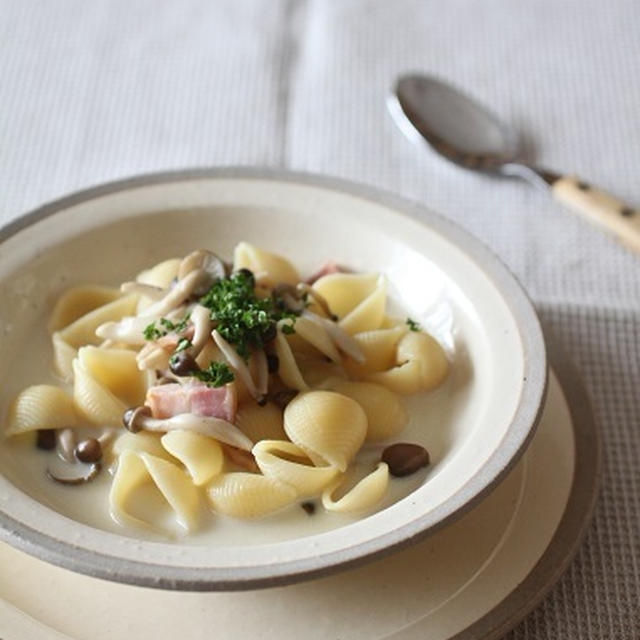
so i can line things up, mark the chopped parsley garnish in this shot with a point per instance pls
(241, 317)
(183, 344)
(217, 374)
(413, 325)
(152, 332)
(287, 329)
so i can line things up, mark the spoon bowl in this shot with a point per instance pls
(453, 124)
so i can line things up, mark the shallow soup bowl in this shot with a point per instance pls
(475, 426)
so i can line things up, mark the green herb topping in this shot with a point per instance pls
(183, 344)
(287, 328)
(413, 325)
(216, 374)
(241, 317)
(151, 332)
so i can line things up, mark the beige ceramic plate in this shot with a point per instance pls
(476, 427)
(474, 579)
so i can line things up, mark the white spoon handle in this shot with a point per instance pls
(601, 208)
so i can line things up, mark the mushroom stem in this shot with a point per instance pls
(129, 330)
(262, 382)
(236, 363)
(66, 444)
(341, 338)
(201, 319)
(178, 295)
(106, 437)
(152, 356)
(206, 425)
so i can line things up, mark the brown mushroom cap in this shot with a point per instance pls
(212, 267)
(132, 418)
(89, 450)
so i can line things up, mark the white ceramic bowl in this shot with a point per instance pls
(476, 427)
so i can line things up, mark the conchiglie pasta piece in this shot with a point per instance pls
(248, 495)
(369, 314)
(41, 406)
(426, 350)
(286, 462)
(421, 364)
(161, 275)
(301, 348)
(272, 268)
(141, 442)
(364, 495)
(83, 330)
(345, 291)
(288, 369)
(261, 423)
(378, 348)
(94, 401)
(175, 486)
(318, 373)
(386, 415)
(63, 357)
(405, 379)
(202, 456)
(130, 473)
(392, 322)
(329, 427)
(117, 371)
(77, 302)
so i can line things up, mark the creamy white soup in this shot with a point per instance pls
(235, 401)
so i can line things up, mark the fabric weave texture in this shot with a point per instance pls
(94, 91)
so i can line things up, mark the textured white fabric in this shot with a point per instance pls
(91, 91)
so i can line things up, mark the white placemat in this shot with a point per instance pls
(91, 91)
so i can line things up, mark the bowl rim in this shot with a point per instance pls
(512, 445)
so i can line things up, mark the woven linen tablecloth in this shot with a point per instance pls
(93, 91)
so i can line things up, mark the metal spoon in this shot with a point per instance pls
(466, 133)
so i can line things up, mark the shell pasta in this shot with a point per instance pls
(240, 389)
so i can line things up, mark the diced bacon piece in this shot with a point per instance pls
(330, 266)
(168, 400)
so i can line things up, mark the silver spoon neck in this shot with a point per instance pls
(541, 178)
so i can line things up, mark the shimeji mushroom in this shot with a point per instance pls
(211, 267)
(72, 472)
(130, 329)
(77, 464)
(139, 418)
(201, 319)
(65, 444)
(340, 337)
(176, 296)
(239, 366)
